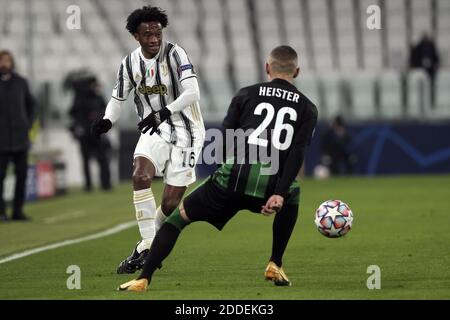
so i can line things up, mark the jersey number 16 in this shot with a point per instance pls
(188, 159)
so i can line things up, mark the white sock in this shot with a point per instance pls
(144, 203)
(160, 218)
(144, 244)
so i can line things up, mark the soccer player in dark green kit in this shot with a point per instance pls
(278, 117)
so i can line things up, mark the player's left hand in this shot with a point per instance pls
(100, 126)
(154, 120)
(273, 204)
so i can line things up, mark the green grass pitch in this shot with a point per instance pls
(400, 224)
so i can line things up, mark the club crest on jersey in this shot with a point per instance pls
(156, 89)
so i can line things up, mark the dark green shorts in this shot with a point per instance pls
(212, 203)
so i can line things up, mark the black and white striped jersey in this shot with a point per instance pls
(156, 83)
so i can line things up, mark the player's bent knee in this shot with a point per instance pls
(142, 179)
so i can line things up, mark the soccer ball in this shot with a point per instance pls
(333, 218)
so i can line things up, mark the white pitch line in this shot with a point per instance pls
(108, 232)
(65, 216)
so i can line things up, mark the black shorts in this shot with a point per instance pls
(212, 203)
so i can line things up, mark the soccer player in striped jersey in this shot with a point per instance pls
(165, 91)
(277, 116)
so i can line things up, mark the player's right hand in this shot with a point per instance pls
(100, 126)
(154, 120)
(273, 204)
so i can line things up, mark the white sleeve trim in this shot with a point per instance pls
(189, 76)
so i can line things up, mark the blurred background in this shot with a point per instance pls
(383, 95)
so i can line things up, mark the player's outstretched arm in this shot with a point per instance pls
(112, 114)
(113, 109)
(296, 154)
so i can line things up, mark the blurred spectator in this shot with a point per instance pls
(89, 105)
(334, 145)
(425, 55)
(17, 113)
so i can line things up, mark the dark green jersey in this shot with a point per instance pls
(277, 118)
(251, 182)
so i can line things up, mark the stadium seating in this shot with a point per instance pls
(309, 86)
(419, 92)
(390, 84)
(443, 30)
(362, 88)
(343, 66)
(397, 42)
(443, 93)
(371, 41)
(268, 25)
(321, 41)
(421, 18)
(346, 36)
(333, 95)
(295, 31)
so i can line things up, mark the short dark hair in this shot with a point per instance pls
(283, 59)
(10, 55)
(146, 14)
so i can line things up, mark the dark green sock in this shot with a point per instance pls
(162, 245)
(283, 226)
